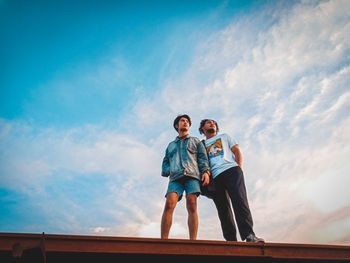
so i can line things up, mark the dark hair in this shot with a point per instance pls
(178, 118)
(203, 123)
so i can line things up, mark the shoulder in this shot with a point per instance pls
(230, 140)
(226, 136)
(196, 142)
(171, 144)
(194, 139)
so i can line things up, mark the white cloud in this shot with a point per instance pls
(84, 150)
(283, 93)
(278, 81)
(334, 230)
(99, 230)
(118, 169)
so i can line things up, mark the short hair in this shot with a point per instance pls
(203, 123)
(178, 118)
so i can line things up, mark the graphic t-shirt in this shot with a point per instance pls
(220, 155)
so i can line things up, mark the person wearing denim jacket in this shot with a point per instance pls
(186, 164)
(185, 156)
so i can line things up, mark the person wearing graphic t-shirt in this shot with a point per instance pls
(225, 160)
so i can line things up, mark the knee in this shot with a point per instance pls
(191, 203)
(170, 205)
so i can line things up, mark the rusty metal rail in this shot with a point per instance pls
(71, 245)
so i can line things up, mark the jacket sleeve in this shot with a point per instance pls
(203, 162)
(166, 165)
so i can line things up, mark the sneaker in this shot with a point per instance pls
(253, 238)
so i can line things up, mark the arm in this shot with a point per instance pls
(166, 165)
(203, 163)
(237, 154)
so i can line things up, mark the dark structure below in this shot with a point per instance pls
(18, 247)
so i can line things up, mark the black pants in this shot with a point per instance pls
(230, 185)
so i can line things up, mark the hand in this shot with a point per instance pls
(205, 179)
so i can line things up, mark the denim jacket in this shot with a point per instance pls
(185, 156)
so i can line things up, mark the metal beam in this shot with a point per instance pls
(73, 244)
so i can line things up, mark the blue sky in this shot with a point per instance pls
(89, 90)
(101, 53)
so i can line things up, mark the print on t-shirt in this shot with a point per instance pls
(215, 149)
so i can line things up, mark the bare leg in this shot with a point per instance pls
(167, 218)
(191, 204)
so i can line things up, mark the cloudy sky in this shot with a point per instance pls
(89, 91)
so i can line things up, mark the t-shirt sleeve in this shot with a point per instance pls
(231, 142)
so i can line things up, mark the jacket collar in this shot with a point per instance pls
(183, 137)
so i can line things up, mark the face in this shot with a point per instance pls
(209, 127)
(183, 125)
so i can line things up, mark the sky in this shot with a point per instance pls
(89, 91)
